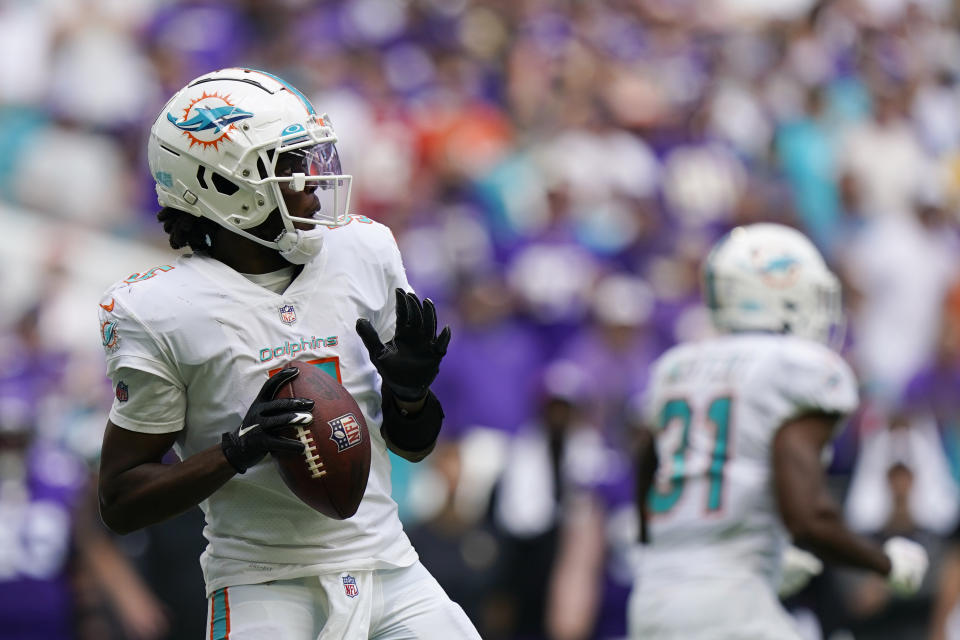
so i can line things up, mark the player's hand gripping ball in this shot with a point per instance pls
(330, 473)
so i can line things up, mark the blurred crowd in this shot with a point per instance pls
(555, 172)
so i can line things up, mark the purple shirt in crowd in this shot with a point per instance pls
(614, 491)
(489, 378)
(36, 530)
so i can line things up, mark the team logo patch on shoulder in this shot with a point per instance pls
(123, 391)
(345, 431)
(149, 273)
(288, 315)
(110, 336)
(350, 586)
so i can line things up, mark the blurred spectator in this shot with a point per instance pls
(456, 542)
(884, 156)
(622, 171)
(97, 181)
(675, 277)
(615, 349)
(554, 452)
(40, 490)
(930, 395)
(188, 39)
(552, 276)
(807, 153)
(27, 32)
(933, 500)
(93, 44)
(489, 374)
(900, 268)
(934, 110)
(703, 179)
(875, 613)
(60, 575)
(166, 555)
(592, 574)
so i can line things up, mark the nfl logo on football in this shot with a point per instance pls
(350, 586)
(345, 431)
(288, 314)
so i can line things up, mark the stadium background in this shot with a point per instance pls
(554, 173)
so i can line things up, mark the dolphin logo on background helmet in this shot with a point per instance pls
(214, 147)
(769, 277)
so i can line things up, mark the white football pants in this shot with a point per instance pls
(737, 608)
(394, 604)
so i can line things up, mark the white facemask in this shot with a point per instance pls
(300, 247)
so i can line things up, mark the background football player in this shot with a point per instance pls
(248, 177)
(731, 460)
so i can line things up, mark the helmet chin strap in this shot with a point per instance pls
(294, 245)
(300, 247)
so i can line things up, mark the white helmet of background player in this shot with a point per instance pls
(769, 277)
(213, 152)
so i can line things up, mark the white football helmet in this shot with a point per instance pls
(769, 277)
(214, 148)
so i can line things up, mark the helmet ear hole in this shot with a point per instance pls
(201, 170)
(223, 185)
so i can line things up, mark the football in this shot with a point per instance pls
(331, 473)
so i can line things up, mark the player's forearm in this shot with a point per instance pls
(153, 492)
(826, 535)
(808, 510)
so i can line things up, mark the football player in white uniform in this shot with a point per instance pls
(730, 461)
(248, 177)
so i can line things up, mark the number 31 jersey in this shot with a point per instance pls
(715, 407)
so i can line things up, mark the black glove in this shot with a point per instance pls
(254, 438)
(409, 362)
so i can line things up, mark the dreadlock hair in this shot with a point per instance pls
(187, 230)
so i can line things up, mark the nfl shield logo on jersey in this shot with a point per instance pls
(288, 314)
(345, 431)
(350, 586)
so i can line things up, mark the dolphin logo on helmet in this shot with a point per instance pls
(217, 119)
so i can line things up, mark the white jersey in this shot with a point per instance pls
(190, 344)
(715, 407)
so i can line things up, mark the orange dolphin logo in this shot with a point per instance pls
(108, 307)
